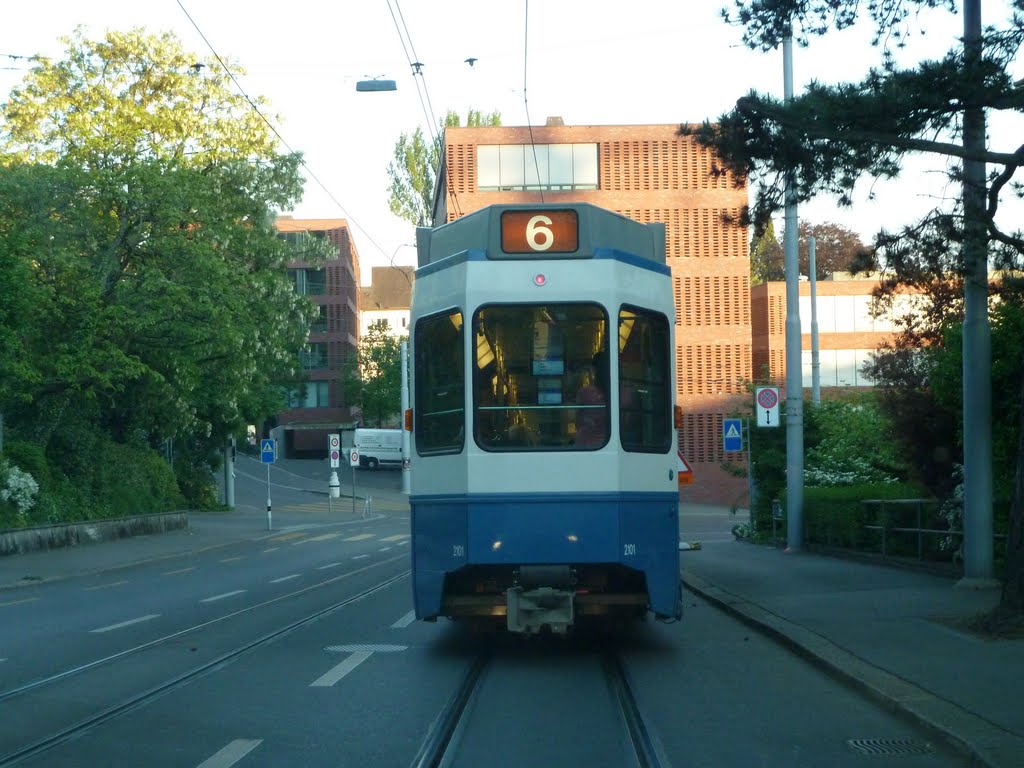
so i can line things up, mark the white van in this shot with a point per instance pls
(378, 446)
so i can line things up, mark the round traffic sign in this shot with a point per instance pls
(335, 456)
(334, 441)
(353, 457)
(767, 398)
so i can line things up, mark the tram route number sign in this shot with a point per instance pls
(766, 403)
(334, 450)
(540, 231)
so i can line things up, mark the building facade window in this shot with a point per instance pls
(309, 282)
(319, 323)
(313, 356)
(312, 394)
(536, 167)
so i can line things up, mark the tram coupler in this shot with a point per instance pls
(529, 611)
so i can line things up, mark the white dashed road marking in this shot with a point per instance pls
(359, 537)
(285, 578)
(126, 623)
(221, 597)
(338, 672)
(359, 557)
(397, 537)
(180, 570)
(231, 754)
(329, 565)
(405, 621)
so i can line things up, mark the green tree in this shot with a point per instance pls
(836, 248)
(142, 192)
(373, 376)
(832, 135)
(767, 259)
(414, 170)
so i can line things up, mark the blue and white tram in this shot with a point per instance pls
(544, 461)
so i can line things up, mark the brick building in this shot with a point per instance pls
(319, 407)
(648, 173)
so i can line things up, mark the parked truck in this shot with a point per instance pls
(378, 447)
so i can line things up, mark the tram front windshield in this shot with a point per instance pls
(541, 378)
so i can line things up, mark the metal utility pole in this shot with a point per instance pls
(977, 352)
(812, 271)
(794, 362)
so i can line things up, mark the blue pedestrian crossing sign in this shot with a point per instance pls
(732, 435)
(268, 451)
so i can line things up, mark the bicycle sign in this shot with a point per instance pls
(767, 406)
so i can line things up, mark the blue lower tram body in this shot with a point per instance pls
(622, 550)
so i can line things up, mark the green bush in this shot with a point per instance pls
(836, 515)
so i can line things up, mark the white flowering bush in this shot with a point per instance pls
(952, 510)
(17, 487)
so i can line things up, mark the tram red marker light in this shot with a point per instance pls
(539, 280)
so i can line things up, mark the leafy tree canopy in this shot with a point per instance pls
(413, 172)
(373, 377)
(137, 200)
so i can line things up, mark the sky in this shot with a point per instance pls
(591, 62)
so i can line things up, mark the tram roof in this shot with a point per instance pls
(597, 229)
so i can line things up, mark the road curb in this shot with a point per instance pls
(986, 743)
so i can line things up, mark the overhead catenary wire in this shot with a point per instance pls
(416, 66)
(280, 138)
(526, 105)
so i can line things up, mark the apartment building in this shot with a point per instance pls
(648, 173)
(318, 407)
(388, 298)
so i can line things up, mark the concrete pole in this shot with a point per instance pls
(977, 353)
(794, 362)
(229, 473)
(812, 268)
(406, 447)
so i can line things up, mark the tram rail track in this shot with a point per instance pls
(440, 747)
(137, 700)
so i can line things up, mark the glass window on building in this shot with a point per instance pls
(846, 367)
(319, 323)
(313, 356)
(439, 409)
(538, 167)
(309, 282)
(311, 394)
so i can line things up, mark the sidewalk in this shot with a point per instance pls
(887, 631)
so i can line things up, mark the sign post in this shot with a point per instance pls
(353, 460)
(268, 455)
(766, 402)
(333, 486)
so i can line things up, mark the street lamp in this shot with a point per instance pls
(376, 84)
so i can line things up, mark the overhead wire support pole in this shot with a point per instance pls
(794, 362)
(977, 350)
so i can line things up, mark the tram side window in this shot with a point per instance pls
(537, 383)
(439, 408)
(645, 404)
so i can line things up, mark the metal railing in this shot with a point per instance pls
(919, 529)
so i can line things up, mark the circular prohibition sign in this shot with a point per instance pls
(767, 398)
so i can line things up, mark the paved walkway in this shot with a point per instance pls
(888, 631)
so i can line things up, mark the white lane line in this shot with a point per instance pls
(397, 537)
(19, 602)
(329, 565)
(324, 537)
(128, 623)
(384, 549)
(360, 537)
(231, 754)
(405, 621)
(271, 549)
(285, 578)
(231, 559)
(106, 586)
(179, 571)
(338, 672)
(359, 557)
(404, 543)
(221, 597)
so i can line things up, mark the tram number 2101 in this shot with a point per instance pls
(629, 550)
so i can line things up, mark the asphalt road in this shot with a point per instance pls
(297, 648)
